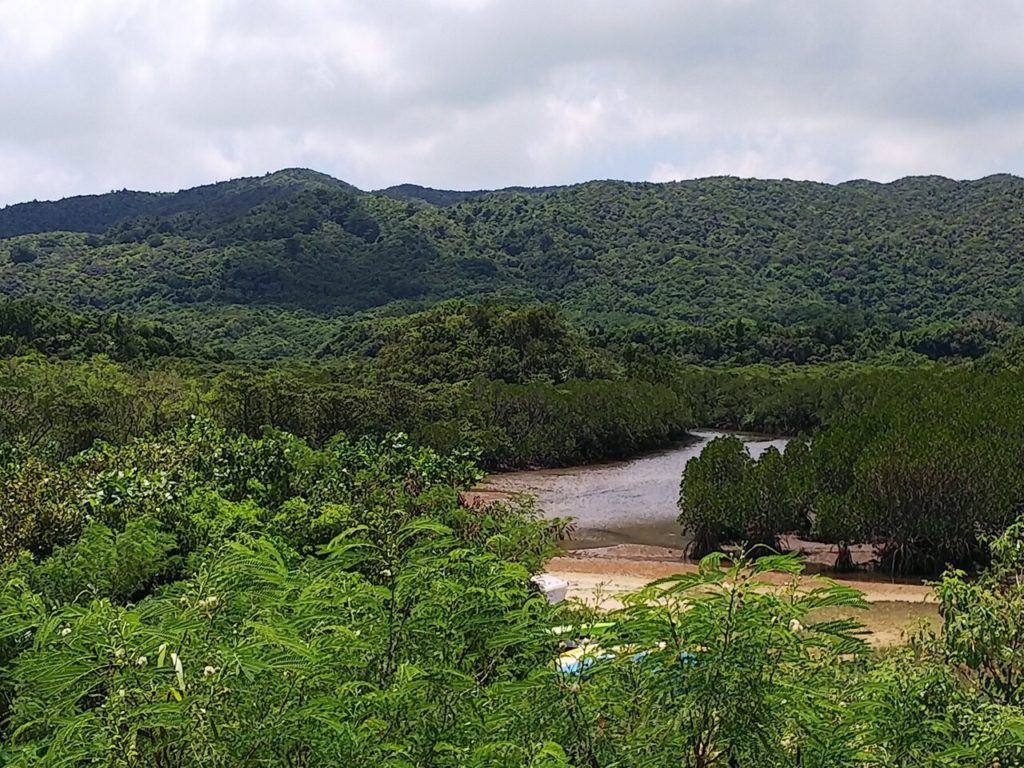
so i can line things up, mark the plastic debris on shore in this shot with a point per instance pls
(554, 588)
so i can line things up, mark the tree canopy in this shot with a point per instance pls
(266, 266)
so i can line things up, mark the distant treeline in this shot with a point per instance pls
(265, 267)
(522, 384)
(920, 461)
(926, 465)
(27, 326)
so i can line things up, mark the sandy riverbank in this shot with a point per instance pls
(596, 574)
(599, 575)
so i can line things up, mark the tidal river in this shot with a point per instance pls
(626, 502)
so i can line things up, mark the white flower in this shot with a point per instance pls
(179, 670)
(141, 661)
(795, 625)
(209, 671)
(65, 632)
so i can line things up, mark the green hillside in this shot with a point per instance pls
(221, 201)
(264, 267)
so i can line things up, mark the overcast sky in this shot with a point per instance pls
(165, 94)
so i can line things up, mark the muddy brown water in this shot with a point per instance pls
(625, 502)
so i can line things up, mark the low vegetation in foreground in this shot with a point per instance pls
(212, 599)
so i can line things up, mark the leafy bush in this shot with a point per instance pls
(285, 605)
(104, 565)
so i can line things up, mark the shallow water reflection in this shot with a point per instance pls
(627, 502)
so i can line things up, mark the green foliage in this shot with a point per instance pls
(927, 467)
(60, 408)
(256, 601)
(37, 508)
(27, 327)
(829, 335)
(579, 421)
(924, 464)
(728, 497)
(456, 341)
(418, 596)
(982, 632)
(755, 692)
(714, 495)
(205, 563)
(63, 408)
(723, 269)
(102, 564)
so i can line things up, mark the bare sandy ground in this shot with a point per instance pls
(598, 576)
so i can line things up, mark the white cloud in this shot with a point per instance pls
(160, 94)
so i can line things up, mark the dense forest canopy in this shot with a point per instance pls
(265, 267)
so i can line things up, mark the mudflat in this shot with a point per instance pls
(599, 576)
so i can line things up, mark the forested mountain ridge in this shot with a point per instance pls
(265, 266)
(445, 197)
(95, 213)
